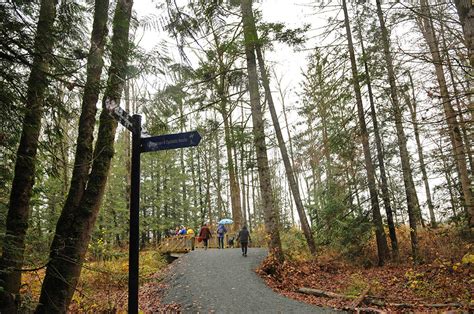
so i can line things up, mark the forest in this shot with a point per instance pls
(339, 132)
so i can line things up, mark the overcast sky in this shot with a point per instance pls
(286, 62)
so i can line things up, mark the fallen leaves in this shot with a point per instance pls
(151, 294)
(445, 283)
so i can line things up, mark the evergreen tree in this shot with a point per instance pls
(11, 261)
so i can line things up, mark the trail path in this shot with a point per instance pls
(223, 281)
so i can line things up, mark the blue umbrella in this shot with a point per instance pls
(226, 221)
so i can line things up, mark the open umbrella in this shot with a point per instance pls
(226, 221)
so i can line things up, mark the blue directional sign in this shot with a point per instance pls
(170, 141)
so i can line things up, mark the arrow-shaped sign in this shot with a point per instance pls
(170, 141)
(119, 114)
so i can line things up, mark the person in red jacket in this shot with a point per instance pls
(205, 235)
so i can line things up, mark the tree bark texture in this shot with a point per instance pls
(449, 184)
(465, 10)
(382, 247)
(269, 208)
(218, 177)
(222, 89)
(24, 174)
(290, 175)
(83, 157)
(234, 183)
(380, 157)
(292, 155)
(69, 248)
(245, 219)
(412, 205)
(465, 126)
(421, 158)
(426, 25)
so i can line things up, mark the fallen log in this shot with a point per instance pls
(365, 310)
(321, 293)
(360, 298)
(445, 305)
(373, 300)
(382, 303)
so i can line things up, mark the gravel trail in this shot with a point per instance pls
(223, 281)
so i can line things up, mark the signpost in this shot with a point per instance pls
(142, 145)
(170, 141)
(119, 114)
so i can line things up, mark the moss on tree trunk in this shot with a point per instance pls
(269, 209)
(66, 260)
(23, 180)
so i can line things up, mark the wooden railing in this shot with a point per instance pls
(187, 243)
(177, 244)
(213, 242)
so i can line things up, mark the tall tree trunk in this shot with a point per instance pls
(24, 175)
(64, 157)
(201, 203)
(353, 173)
(449, 183)
(290, 142)
(410, 191)
(466, 132)
(194, 181)
(326, 148)
(235, 196)
(380, 156)
(382, 247)
(184, 193)
(69, 246)
(248, 200)
(412, 107)
(269, 208)
(158, 191)
(256, 200)
(128, 151)
(465, 10)
(426, 25)
(218, 176)
(234, 183)
(207, 166)
(290, 175)
(242, 167)
(250, 183)
(316, 169)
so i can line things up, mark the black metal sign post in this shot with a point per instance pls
(142, 145)
(133, 257)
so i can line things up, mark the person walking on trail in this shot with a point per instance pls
(190, 232)
(182, 231)
(205, 235)
(221, 231)
(190, 236)
(244, 238)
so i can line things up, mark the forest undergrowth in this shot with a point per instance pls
(103, 284)
(444, 276)
(442, 281)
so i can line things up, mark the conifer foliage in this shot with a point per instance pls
(364, 148)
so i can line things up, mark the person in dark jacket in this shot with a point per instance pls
(205, 235)
(244, 238)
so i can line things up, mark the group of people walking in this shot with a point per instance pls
(244, 237)
(205, 234)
